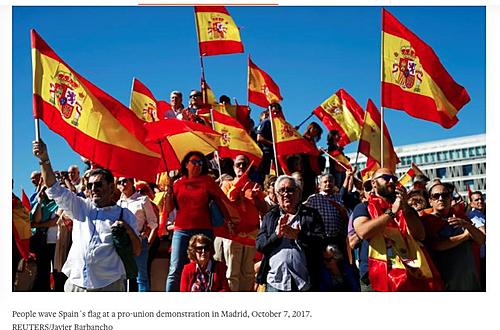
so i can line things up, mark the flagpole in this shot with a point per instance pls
(37, 130)
(203, 93)
(381, 93)
(302, 123)
(274, 141)
(131, 91)
(216, 151)
(359, 143)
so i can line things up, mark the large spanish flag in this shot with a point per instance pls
(369, 143)
(288, 141)
(94, 124)
(370, 168)
(342, 113)
(235, 139)
(143, 103)
(414, 80)
(262, 90)
(217, 32)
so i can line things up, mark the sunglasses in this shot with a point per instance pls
(242, 164)
(477, 200)
(194, 95)
(387, 177)
(97, 185)
(202, 248)
(198, 162)
(123, 181)
(285, 191)
(443, 195)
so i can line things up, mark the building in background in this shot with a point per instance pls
(461, 161)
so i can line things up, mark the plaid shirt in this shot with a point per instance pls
(334, 224)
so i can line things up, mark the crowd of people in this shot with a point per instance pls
(317, 228)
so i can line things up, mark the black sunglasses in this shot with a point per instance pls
(284, 191)
(122, 181)
(201, 248)
(97, 185)
(443, 195)
(387, 177)
(242, 164)
(196, 162)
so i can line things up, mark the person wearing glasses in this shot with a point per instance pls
(247, 197)
(478, 217)
(453, 240)
(93, 263)
(291, 240)
(203, 273)
(147, 223)
(389, 228)
(190, 196)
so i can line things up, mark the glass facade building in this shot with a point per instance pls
(461, 161)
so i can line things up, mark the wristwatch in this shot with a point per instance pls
(390, 213)
(44, 162)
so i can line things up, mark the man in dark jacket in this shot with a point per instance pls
(291, 238)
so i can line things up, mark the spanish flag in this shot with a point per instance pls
(369, 143)
(370, 168)
(288, 141)
(94, 124)
(235, 140)
(414, 80)
(410, 174)
(342, 113)
(240, 112)
(143, 103)
(208, 93)
(217, 32)
(25, 200)
(262, 90)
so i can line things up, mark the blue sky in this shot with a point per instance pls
(309, 51)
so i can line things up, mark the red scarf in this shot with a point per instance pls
(408, 267)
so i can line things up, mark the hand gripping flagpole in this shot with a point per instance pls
(302, 123)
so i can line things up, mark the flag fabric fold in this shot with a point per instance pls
(94, 124)
(217, 32)
(178, 137)
(262, 90)
(235, 139)
(289, 142)
(143, 103)
(369, 143)
(414, 80)
(342, 113)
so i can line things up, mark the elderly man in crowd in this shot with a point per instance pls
(330, 205)
(387, 224)
(176, 106)
(291, 239)
(93, 263)
(74, 177)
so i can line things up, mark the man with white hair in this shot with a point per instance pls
(291, 240)
(176, 106)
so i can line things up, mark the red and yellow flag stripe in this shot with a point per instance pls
(414, 80)
(93, 123)
(217, 32)
(235, 140)
(262, 90)
(143, 103)
(342, 113)
(369, 143)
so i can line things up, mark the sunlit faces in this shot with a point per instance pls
(35, 178)
(175, 101)
(125, 185)
(288, 194)
(440, 199)
(477, 201)
(194, 166)
(73, 173)
(385, 184)
(327, 184)
(100, 190)
(240, 165)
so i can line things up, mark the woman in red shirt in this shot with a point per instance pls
(191, 196)
(203, 273)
